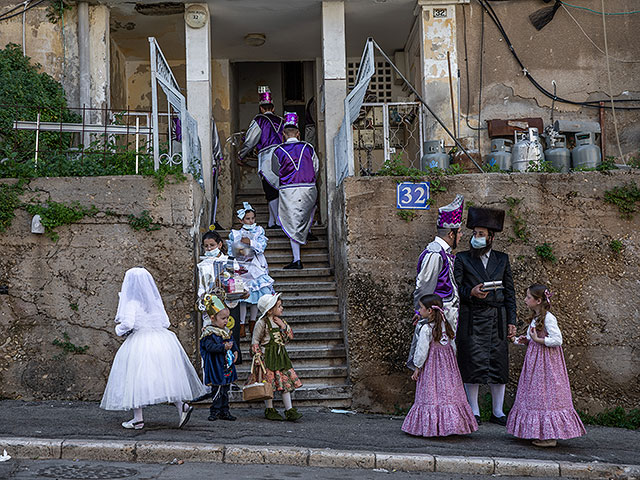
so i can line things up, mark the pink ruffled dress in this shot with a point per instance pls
(543, 408)
(440, 406)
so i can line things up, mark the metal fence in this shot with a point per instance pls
(387, 131)
(78, 137)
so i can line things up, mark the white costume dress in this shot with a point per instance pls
(151, 366)
(257, 277)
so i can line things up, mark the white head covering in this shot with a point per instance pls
(140, 304)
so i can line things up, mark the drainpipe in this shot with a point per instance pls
(83, 54)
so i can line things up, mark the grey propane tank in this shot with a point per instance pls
(527, 151)
(558, 154)
(434, 156)
(586, 153)
(500, 153)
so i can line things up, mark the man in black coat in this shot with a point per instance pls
(487, 317)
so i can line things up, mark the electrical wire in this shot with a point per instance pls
(599, 13)
(494, 17)
(594, 43)
(6, 15)
(466, 70)
(613, 108)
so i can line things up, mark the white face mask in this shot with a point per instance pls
(212, 253)
(249, 227)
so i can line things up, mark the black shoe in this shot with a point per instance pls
(294, 266)
(311, 237)
(226, 416)
(273, 226)
(213, 418)
(478, 419)
(499, 420)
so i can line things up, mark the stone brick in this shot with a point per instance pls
(326, 457)
(32, 448)
(163, 452)
(109, 450)
(272, 455)
(405, 462)
(598, 470)
(472, 465)
(527, 468)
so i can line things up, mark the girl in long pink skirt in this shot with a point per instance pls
(543, 410)
(440, 406)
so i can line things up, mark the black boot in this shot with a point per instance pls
(294, 266)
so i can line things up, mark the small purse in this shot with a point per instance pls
(256, 388)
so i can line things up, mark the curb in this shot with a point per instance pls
(164, 452)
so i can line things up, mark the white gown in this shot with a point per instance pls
(151, 366)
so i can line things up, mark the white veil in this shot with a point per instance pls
(140, 304)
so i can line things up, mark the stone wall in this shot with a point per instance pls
(596, 296)
(71, 286)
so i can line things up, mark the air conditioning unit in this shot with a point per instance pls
(400, 60)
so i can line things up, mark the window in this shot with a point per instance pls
(381, 82)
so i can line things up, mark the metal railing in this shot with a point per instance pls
(386, 131)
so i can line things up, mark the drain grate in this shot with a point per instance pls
(87, 472)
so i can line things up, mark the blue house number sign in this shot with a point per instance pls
(413, 195)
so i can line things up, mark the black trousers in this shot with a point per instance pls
(220, 399)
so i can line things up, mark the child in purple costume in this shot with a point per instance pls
(440, 406)
(543, 410)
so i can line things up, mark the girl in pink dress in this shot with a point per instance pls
(543, 410)
(440, 406)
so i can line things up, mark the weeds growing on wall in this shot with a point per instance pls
(68, 347)
(625, 198)
(56, 9)
(543, 166)
(616, 417)
(54, 214)
(519, 223)
(616, 246)
(143, 222)
(9, 201)
(545, 252)
(407, 215)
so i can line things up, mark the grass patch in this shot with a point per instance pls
(616, 417)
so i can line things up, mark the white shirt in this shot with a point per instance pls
(554, 336)
(485, 258)
(424, 342)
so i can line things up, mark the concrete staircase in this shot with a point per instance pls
(310, 303)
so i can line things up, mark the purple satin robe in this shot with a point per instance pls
(296, 164)
(444, 287)
(271, 127)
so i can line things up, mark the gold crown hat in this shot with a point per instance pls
(213, 304)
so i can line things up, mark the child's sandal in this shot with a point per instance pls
(131, 425)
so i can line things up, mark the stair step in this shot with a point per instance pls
(320, 232)
(273, 257)
(332, 396)
(304, 273)
(297, 288)
(307, 301)
(303, 372)
(305, 316)
(305, 353)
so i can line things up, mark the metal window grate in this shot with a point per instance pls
(381, 83)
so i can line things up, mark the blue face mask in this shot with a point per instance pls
(212, 253)
(480, 242)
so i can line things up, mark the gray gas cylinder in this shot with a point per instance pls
(527, 151)
(558, 154)
(586, 153)
(434, 156)
(500, 153)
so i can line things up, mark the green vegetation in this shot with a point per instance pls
(407, 215)
(616, 246)
(545, 252)
(394, 167)
(625, 198)
(56, 9)
(54, 214)
(542, 167)
(616, 417)
(73, 306)
(67, 346)
(519, 223)
(143, 222)
(9, 201)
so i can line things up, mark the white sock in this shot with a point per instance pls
(268, 403)
(276, 210)
(472, 396)
(497, 398)
(254, 312)
(179, 406)
(137, 415)
(286, 399)
(273, 212)
(243, 312)
(295, 249)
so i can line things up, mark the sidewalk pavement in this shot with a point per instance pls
(321, 438)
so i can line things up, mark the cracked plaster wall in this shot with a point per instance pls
(71, 286)
(558, 52)
(596, 296)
